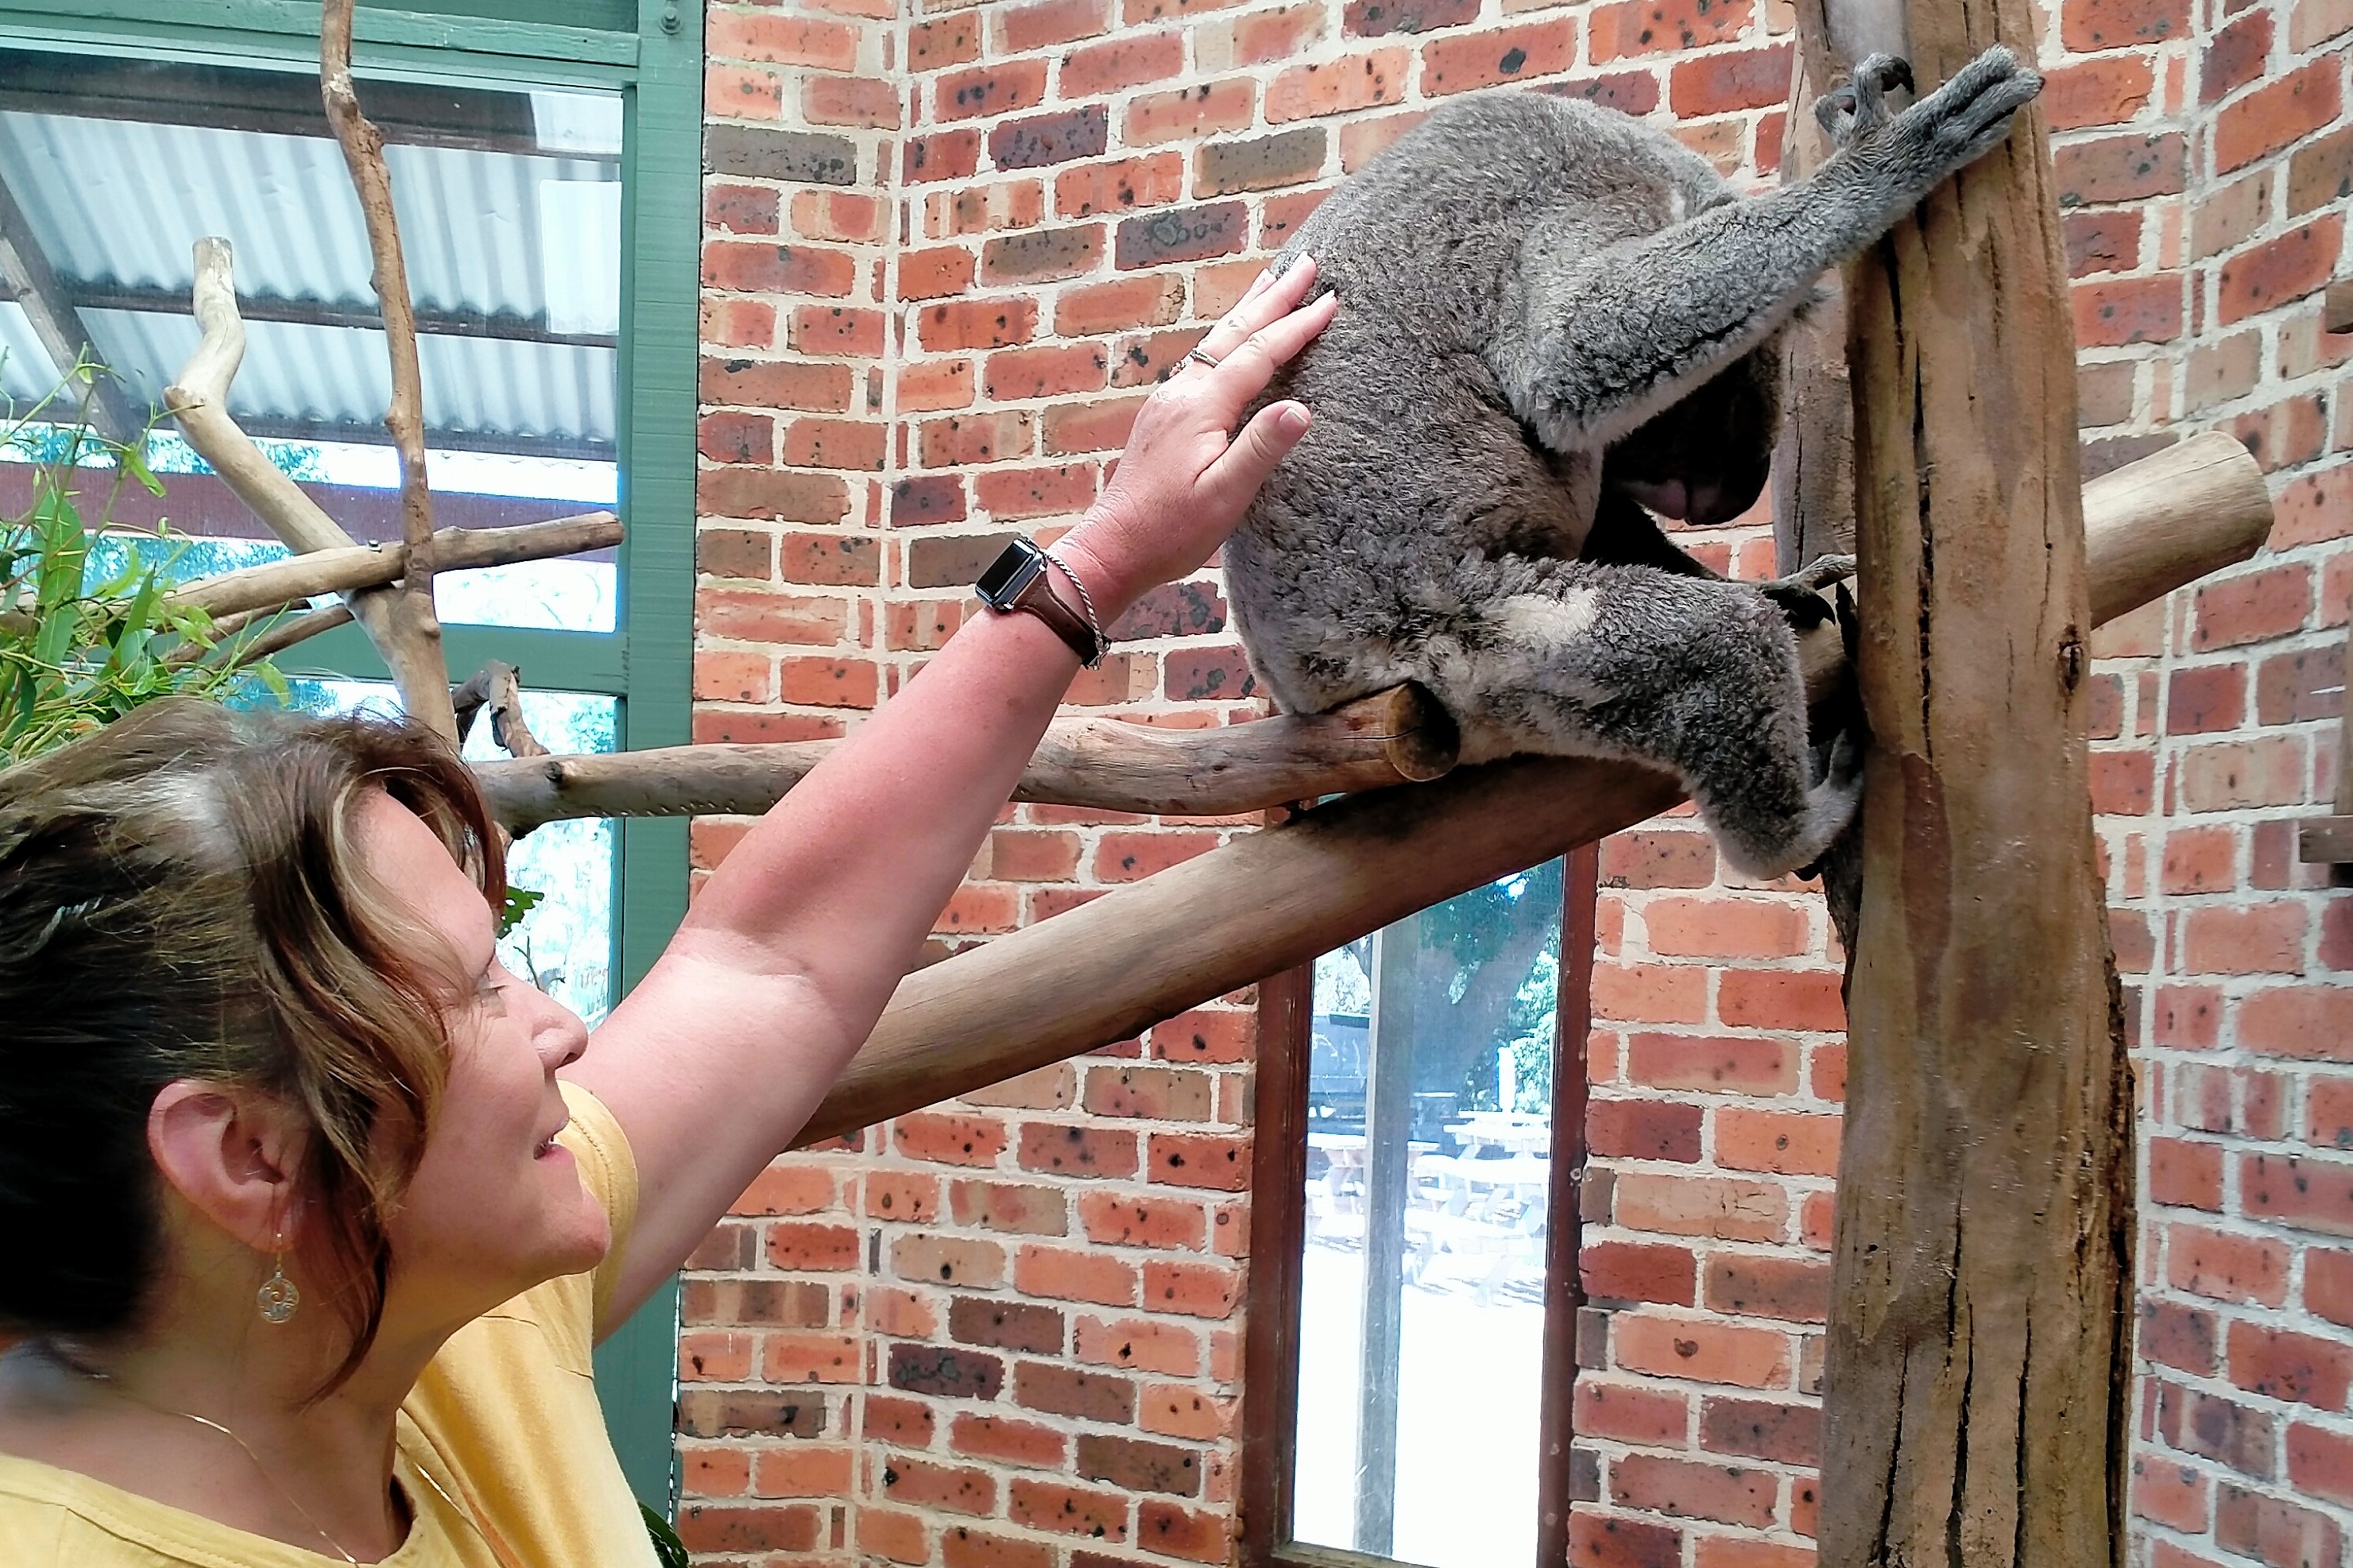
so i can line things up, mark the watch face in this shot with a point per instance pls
(1010, 573)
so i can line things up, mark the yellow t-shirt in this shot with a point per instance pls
(505, 1422)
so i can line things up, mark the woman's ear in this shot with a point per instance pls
(230, 1154)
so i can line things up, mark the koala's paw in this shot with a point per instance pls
(1962, 120)
(1855, 109)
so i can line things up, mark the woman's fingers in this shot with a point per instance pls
(1243, 373)
(1267, 299)
(1235, 477)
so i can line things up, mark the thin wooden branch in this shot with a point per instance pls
(1395, 737)
(1147, 951)
(363, 147)
(305, 576)
(228, 628)
(293, 629)
(2152, 526)
(198, 401)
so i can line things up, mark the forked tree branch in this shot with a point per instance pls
(198, 401)
(363, 147)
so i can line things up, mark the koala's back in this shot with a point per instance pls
(1343, 575)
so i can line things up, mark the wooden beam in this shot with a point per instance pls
(2153, 525)
(352, 316)
(1979, 1368)
(270, 103)
(1264, 902)
(64, 336)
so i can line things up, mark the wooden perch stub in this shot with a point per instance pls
(497, 686)
(2336, 306)
(1396, 736)
(2170, 518)
(1269, 900)
(358, 567)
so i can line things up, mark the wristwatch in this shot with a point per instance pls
(1022, 578)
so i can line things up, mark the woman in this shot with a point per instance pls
(311, 1209)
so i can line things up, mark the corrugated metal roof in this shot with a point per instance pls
(116, 205)
(25, 372)
(338, 377)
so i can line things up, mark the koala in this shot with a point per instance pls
(1557, 321)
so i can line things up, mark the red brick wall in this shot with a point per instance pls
(948, 246)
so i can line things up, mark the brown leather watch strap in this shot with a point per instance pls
(1041, 599)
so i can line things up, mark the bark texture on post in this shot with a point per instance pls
(1978, 1378)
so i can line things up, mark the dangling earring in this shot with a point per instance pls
(277, 1298)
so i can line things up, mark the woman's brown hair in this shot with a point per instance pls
(182, 896)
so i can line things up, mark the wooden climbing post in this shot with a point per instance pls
(1977, 1381)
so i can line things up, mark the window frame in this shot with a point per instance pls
(1278, 1237)
(653, 56)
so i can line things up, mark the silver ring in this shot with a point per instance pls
(1200, 355)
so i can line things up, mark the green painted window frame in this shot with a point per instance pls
(650, 50)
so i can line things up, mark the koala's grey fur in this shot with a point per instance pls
(1548, 310)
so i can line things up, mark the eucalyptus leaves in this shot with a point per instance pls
(81, 647)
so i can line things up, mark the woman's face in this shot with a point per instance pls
(496, 1205)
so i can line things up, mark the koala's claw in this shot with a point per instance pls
(1799, 595)
(1858, 107)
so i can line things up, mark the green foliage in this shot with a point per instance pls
(82, 642)
(668, 1547)
(520, 901)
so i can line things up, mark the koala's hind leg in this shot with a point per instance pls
(1696, 676)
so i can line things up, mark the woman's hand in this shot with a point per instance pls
(1186, 478)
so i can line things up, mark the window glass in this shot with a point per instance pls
(564, 944)
(510, 217)
(1429, 1173)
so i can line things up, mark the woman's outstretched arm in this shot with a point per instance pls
(794, 946)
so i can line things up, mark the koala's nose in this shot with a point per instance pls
(1710, 505)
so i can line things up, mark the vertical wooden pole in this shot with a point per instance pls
(1564, 1204)
(1978, 1371)
(1388, 1125)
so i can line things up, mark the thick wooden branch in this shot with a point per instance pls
(2153, 525)
(1108, 970)
(198, 401)
(363, 145)
(1265, 902)
(372, 566)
